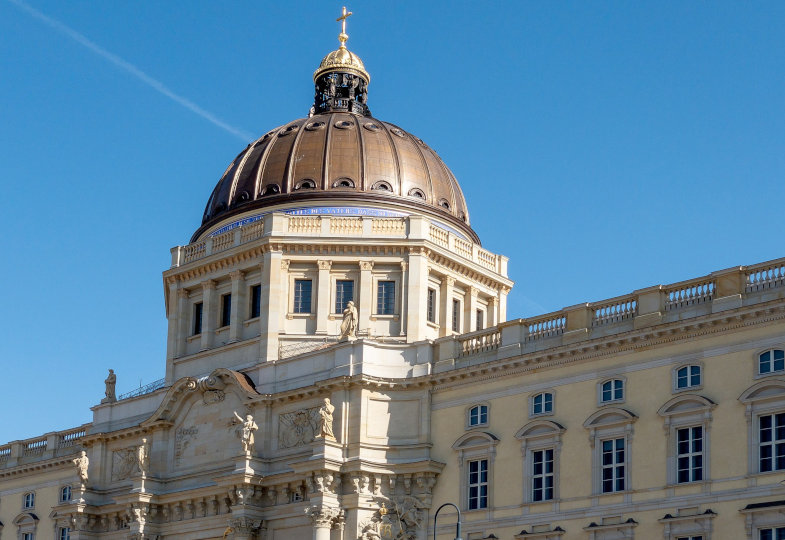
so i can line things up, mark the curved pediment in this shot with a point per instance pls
(539, 428)
(474, 439)
(210, 389)
(766, 389)
(609, 416)
(687, 403)
(25, 518)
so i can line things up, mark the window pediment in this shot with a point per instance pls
(608, 417)
(686, 404)
(767, 389)
(25, 518)
(475, 439)
(539, 428)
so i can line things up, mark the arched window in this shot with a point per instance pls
(765, 409)
(271, 189)
(382, 186)
(477, 416)
(28, 501)
(542, 403)
(610, 434)
(611, 391)
(476, 454)
(689, 376)
(417, 193)
(771, 361)
(540, 446)
(343, 183)
(305, 184)
(687, 420)
(65, 494)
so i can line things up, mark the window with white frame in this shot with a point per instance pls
(344, 293)
(28, 500)
(477, 484)
(65, 493)
(611, 391)
(456, 315)
(542, 403)
(610, 433)
(476, 455)
(687, 419)
(480, 319)
(65, 533)
(686, 377)
(385, 297)
(431, 306)
(698, 537)
(301, 301)
(772, 533)
(540, 446)
(765, 411)
(477, 416)
(771, 361)
(26, 524)
(28, 536)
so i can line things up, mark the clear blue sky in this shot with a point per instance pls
(602, 146)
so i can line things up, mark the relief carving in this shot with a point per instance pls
(213, 396)
(399, 522)
(183, 437)
(299, 427)
(123, 463)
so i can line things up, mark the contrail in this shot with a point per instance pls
(132, 69)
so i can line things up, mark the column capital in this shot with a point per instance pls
(449, 280)
(404, 266)
(324, 265)
(366, 265)
(474, 292)
(236, 274)
(322, 516)
(182, 293)
(284, 264)
(209, 284)
(244, 525)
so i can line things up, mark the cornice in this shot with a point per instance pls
(37, 466)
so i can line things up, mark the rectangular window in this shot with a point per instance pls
(478, 415)
(777, 533)
(479, 319)
(65, 533)
(344, 293)
(542, 475)
(198, 318)
(431, 308)
(771, 361)
(385, 298)
(226, 310)
(478, 484)
(542, 403)
(456, 315)
(689, 537)
(28, 536)
(772, 442)
(302, 295)
(689, 454)
(256, 301)
(613, 465)
(688, 376)
(29, 500)
(612, 390)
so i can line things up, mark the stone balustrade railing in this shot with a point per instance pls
(279, 224)
(719, 291)
(55, 444)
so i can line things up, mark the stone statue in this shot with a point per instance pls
(245, 432)
(82, 463)
(143, 457)
(349, 324)
(110, 382)
(326, 420)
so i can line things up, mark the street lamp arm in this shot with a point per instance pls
(457, 525)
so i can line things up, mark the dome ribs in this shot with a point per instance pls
(287, 184)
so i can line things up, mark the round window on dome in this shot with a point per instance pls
(243, 196)
(444, 204)
(343, 183)
(271, 189)
(305, 184)
(382, 186)
(417, 193)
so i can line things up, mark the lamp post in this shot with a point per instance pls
(457, 525)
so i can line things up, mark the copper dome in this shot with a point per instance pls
(339, 155)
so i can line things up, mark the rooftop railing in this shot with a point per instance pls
(278, 224)
(55, 444)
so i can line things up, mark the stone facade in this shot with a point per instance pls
(658, 414)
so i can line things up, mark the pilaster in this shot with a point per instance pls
(238, 301)
(209, 313)
(446, 315)
(323, 296)
(415, 290)
(470, 315)
(273, 304)
(366, 296)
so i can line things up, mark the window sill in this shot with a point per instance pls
(687, 389)
(610, 402)
(251, 321)
(194, 337)
(222, 329)
(541, 414)
(384, 317)
(433, 325)
(291, 316)
(771, 374)
(476, 426)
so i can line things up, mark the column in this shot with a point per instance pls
(238, 302)
(183, 320)
(445, 317)
(493, 311)
(323, 297)
(416, 291)
(365, 296)
(470, 313)
(209, 312)
(322, 518)
(273, 303)
(244, 528)
(173, 314)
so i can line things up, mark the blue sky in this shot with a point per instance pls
(602, 146)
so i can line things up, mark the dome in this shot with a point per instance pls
(339, 155)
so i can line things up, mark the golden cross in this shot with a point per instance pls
(342, 37)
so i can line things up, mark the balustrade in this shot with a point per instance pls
(35, 447)
(477, 342)
(688, 293)
(545, 327)
(765, 276)
(613, 312)
(350, 226)
(439, 236)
